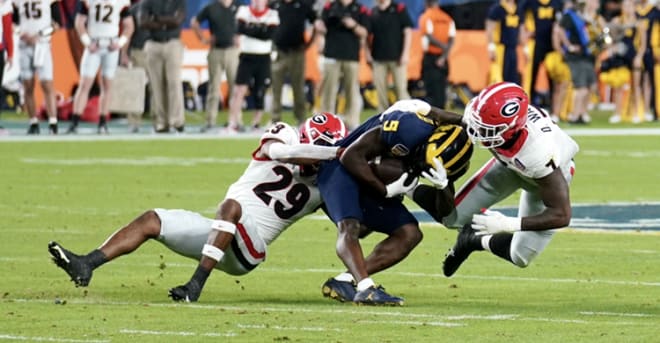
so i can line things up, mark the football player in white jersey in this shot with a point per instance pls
(6, 41)
(37, 20)
(530, 153)
(98, 24)
(277, 188)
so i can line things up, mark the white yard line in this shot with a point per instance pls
(176, 333)
(48, 339)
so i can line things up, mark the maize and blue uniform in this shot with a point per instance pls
(539, 17)
(344, 197)
(506, 38)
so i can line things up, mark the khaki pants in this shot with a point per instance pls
(219, 61)
(139, 60)
(291, 63)
(348, 70)
(164, 70)
(381, 70)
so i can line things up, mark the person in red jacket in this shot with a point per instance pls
(7, 43)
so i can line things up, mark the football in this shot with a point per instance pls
(387, 169)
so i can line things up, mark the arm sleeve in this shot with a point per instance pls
(278, 150)
(7, 34)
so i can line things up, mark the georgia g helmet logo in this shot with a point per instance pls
(319, 118)
(510, 109)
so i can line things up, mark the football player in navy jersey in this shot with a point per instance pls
(352, 193)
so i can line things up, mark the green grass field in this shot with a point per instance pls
(585, 287)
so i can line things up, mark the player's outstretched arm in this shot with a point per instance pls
(441, 116)
(554, 192)
(298, 153)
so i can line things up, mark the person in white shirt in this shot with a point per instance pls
(37, 20)
(98, 24)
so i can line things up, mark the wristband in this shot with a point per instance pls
(122, 40)
(212, 252)
(46, 32)
(85, 39)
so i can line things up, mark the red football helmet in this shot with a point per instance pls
(496, 114)
(322, 129)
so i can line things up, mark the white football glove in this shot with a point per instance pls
(420, 107)
(437, 175)
(492, 222)
(399, 186)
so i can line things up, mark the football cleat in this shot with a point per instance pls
(103, 126)
(466, 242)
(72, 130)
(52, 128)
(33, 129)
(343, 291)
(376, 295)
(74, 265)
(186, 293)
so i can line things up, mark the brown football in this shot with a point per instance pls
(387, 169)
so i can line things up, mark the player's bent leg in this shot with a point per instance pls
(526, 246)
(394, 248)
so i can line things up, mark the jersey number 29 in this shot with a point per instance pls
(296, 197)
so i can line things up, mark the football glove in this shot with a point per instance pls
(492, 222)
(437, 174)
(399, 186)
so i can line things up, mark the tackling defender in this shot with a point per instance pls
(345, 183)
(98, 23)
(37, 21)
(530, 152)
(275, 190)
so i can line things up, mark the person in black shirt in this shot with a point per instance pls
(223, 53)
(163, 19)
(290, 47)
(135, 55)
(390, 28)
(345, 25)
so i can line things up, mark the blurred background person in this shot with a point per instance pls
(290, 48)
(256, 25)
(7, 42)
(503, 36)
(390, 34)
(98, 24)
(345, 27)
(623, 59)
(438, 30)
(649, 16)
(135, 56)
(36, 23)
(163, 19)
(580, 59)
(223, 51)
(538, 18)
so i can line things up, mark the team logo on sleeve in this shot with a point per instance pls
(510, 109)
(519, 164)
(400, 150)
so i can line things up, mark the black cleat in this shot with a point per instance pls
(74, 265)
(103, 126)
(377, 296)
(186, 293)
(343, 291)
(72, 130)
(33, 129)
(52, 128)
(466, 242)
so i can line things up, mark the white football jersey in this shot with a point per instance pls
(34, 15)
(543, 147)
(274, 194)
(104, 17)
(253, 45)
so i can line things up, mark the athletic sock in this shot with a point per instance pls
(500, 245)
(96, 258)
(200, 276)
(345, 277)
(75, 118)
